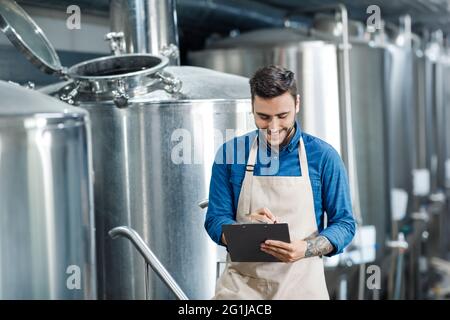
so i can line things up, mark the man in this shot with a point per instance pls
(309, 179)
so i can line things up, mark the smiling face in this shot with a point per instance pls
(275, 116)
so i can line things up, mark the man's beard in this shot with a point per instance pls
(289, 134)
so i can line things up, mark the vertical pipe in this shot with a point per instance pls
(343, 285)
(148, 26)
(348, 146)
(405, 30)
(348, 152)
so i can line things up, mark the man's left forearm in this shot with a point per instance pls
(318, 246)
(313, 245)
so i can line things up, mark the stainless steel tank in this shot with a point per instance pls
(437, 72)
(446, 164)
(383, 117)
(155, 133)
(436, 97)
(423, 128)
(446, 108)
(437, 55)
(47, 244)
(424, 144)
(152, 158)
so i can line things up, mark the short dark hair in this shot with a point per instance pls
(273, 81)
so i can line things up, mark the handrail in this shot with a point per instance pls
(149, 257)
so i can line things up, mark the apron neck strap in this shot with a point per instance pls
(246, 189)
(301, 156)
(247, 184)
(252, 156)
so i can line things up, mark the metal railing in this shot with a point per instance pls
(150, 258)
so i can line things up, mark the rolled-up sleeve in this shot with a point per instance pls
(220, 208)
(336, 202)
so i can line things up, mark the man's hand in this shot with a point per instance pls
(262, 215)
(286, 252)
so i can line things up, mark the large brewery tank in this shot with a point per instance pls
(446, 135)
(47, 247)
(446, 165)
(435, 51)
(424, 224)
(402, 132)
(431, 216)
(424, 83)
(432, 224)
(155, 131)
(152, 158)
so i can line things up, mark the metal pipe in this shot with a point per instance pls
(395, 280)
(148, 26)
(348, 128)
(244, 14)
(399, 277)
(405, 30)
(150, 258)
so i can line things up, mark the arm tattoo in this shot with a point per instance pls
(312, 235)
(318, 246)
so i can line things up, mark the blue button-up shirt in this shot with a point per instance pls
(326, 171)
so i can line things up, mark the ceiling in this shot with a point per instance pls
(197, 19)
(434, 14)
(431, 14)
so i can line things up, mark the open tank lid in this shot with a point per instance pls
(26, 36)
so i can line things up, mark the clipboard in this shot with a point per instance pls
(244, 240)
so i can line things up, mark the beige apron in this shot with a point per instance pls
(291, 200)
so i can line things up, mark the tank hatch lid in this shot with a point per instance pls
(26, 36)
(201, 84)
(19, 102)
